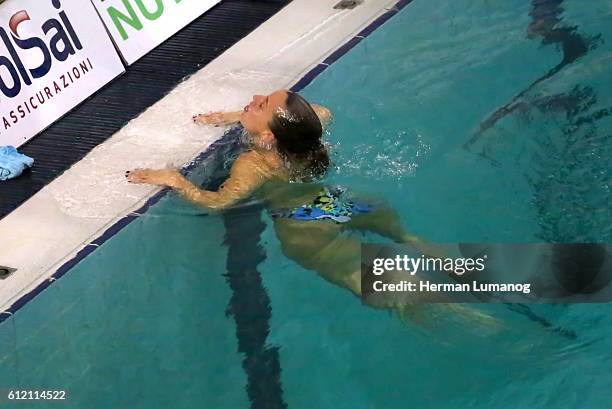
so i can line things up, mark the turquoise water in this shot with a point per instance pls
(143, 322)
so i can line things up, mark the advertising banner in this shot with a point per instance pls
(138, 26)
(53, 55)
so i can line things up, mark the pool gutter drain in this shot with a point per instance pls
(6, 271)
(347, 4)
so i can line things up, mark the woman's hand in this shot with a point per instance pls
(217, 118)
(159, 177)
(323, 113)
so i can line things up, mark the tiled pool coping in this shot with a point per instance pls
(123, 222)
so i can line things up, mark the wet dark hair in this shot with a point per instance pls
(298, 135)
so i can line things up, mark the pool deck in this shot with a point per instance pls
(68, 215)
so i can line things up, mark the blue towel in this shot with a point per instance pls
(12, 163)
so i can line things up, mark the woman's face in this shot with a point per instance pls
(257, 115)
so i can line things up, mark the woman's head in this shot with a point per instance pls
(286, 120)
(258, 114)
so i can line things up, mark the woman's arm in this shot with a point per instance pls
(229, 118)
(218, 118)
(246, 176)
(323, 113)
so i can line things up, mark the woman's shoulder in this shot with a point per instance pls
(267, 162)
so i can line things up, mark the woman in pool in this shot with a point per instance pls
(285, 133)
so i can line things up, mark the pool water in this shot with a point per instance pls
(183, 309)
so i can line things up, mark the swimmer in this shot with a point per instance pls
(310, 219)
